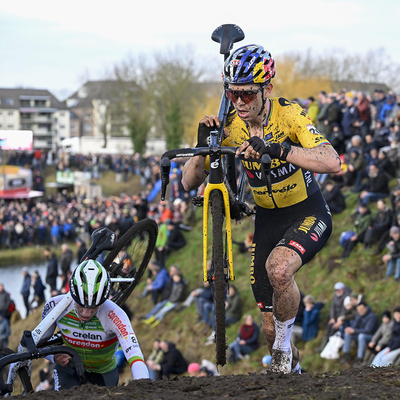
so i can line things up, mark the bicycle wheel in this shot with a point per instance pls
(219, 278)
(130, 257)
(23, 373)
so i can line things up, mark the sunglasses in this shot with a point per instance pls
(247, 96)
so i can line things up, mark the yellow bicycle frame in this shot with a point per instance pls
(222, 188)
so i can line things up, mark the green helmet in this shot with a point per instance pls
(90, 284)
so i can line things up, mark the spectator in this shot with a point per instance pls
(233, 311)
(80, 244)
(380, 340)
(336, 310)
(385, 164)
(175, 240)
(5, 331)
(5, 302)
(177, 295)
(355, 170)
(312, 109)
(125, 223)
(364, 112)
(173, 362)
(361, 330)
(350, 117)
(246, 341)
(154, 359)
(334, 198)
(25, 289)
(380, 225)
(38, 290)
(349, 312)
(156, 286)
(65, 263)
(46, 376)
(246, 245)
(332, 115)
(206, 368)
(52, 269)
(387, 109)
(392, 259)
(161, 241)
(391, 352)
(309, 327)
(322, 113)
(336, 138)
(378, 102)
(362, 222)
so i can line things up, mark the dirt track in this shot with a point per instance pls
(366, 383)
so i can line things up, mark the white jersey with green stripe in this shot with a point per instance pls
(96, 340)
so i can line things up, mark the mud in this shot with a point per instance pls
(365, 383)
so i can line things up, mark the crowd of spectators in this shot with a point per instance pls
(363, 129)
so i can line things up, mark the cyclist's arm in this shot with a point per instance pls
(118, 322)
(322, 159)
(193, 174)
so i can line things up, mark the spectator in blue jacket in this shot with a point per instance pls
(392, 350)
(309, 327)
(246, 341)
(156, 286)
(361, 330)
(387, 109)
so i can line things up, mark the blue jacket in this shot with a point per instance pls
(160, 280)
(26, 285)
(394, 342)
(253, 340)
(367, 323)
(311, 322)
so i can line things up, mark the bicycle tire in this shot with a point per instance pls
(22, 372)
(219, 279)
(130, 257)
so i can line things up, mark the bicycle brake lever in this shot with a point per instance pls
(165, 168)
(266, 170)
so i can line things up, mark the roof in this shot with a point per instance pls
(367, 87)
(97, 90)
(10, 98)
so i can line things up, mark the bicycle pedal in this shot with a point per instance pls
(198, 201)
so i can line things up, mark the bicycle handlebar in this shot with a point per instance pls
(39, 353)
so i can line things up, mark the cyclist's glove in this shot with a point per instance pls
(262, 147)
(203, 135)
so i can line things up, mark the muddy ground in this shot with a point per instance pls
(366, 383)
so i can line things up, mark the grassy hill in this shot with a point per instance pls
(360, 271)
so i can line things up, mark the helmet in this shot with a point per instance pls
(249, 64)
(90, 284)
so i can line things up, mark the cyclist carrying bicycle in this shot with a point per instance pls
(292, 224)
(93, 326)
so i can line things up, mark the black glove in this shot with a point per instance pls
(203, 134)
(262, 147)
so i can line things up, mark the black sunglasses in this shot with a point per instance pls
(247, 96)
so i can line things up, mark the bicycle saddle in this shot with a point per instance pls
(102, 239)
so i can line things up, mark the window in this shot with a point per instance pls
(11, 113)
(9, 101)
(87, 127)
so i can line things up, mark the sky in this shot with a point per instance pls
(58, 45)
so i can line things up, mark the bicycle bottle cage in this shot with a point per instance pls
(102, 239)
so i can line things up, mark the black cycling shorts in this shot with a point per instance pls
(304, 228)
(66, 377)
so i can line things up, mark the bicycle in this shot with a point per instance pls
(126, 262)
(223, 195)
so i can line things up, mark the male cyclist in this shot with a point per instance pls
(93, 326)
(294, 223)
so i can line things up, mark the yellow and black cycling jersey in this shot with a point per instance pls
(291, 184)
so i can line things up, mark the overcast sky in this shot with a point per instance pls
(54, 44)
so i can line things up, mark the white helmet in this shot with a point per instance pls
(90, 284)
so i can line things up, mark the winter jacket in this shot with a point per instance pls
(160, 280)
(311, 322)
(5, 301)
(5, 331)
(65, 261)
(379, 184)
(173, 361)
(312, 111)
(234, 309)
(335, 197)
(177, 292)
(253, 340)
(383, 334)
(337, 307)
(367, 323)
(52, 271)
(26, 286)
(362, 222)
(394, 342)
(349, 117)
